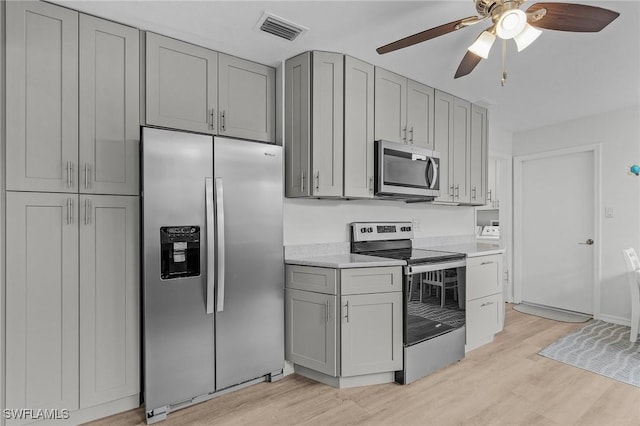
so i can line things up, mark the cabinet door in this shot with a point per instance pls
(479, 158)
(109, 299)
(420, 103)
(327, 123)
(297, 125)
(484, 318)
(460, 154)
(390, 106)
(358, 128)
(109, 107)
(42, 99)
(371, 333)
(181, 84)
(483, 276)
(42, 301)
(443, 142)
(310, 330)
(246, 99)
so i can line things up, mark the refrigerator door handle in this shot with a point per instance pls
(220, 240)
(208, 193)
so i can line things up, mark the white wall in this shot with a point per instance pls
(310, 221)
(500, 140)
(618, 132)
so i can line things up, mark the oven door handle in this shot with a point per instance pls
(437, 266)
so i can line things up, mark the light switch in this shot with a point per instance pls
(608, 212)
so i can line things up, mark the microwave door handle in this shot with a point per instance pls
(434, 166)
(208, 192)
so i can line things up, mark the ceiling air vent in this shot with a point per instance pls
(280, 27)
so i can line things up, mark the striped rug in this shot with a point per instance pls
(602, 348)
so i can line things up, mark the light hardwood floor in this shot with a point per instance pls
(502, 383)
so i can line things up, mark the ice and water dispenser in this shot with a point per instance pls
(179, 251)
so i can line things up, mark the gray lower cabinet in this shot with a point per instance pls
(181, 84)
(314, 93)
(358, 128)
(484, 299)
(42, 98)
(109, 107)
(246, 99)
(42, 364)
(310, 330)
(350, 329)
(72, 336)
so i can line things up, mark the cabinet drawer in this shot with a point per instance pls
(311, 278)
(483, 318)
(483, 276)
(371, 280)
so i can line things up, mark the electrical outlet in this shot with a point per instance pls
(608, 212)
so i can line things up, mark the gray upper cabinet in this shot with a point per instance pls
(42, 300)
(420, 115)
(403, 110)
(358, 128)
(109, 107)
(42, 99)
(181, 85)
(443, 137)
(314, 90)
(390, 106)
(459, 161)
(246, 99)
(479, 156)
(109, 299)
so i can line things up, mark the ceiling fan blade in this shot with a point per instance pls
(426, 35)
(468, 63)
(572, 17)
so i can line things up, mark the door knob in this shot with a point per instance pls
(589, 242)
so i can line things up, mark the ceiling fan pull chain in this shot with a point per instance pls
(504, 63)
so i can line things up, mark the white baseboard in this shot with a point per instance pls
(288, 368)
(614, 320)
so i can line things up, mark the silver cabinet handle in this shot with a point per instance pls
(370, 184)
(486, 263)
(87, 175)
(212, 119)
(451, 192)
(404, 137)
(411, 138)
(589, 242)
(208, 197)
(347, 316)
(69, 171)
(223, 121)
(473, 193)
(327, 316)
(318, 180)
(489, 195)
(219, 195)
(86, 215)
(457, 191)
(302, 181)
(486, 304)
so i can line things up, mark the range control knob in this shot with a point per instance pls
(363, 230)
(408, 228)
(369, 229)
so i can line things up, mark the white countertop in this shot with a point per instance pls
(470, 249)
(343, 261)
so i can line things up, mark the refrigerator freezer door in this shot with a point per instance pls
(179, 335)
(250, 329)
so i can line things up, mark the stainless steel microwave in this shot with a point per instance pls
(406, 172)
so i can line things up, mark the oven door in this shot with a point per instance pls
(404, 171)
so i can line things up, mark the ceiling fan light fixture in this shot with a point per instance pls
(511, 23)
(483, 43)
(527, 36)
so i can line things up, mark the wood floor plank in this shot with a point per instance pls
(502, 383)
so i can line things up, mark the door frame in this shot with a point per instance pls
(518, 161)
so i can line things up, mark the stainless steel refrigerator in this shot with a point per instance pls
(213, 266)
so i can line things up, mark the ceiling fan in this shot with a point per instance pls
(508, 21)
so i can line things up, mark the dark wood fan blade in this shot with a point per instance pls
(422, 36)
(468, 63)
(573, 17)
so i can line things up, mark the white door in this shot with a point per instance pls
(554, 218)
